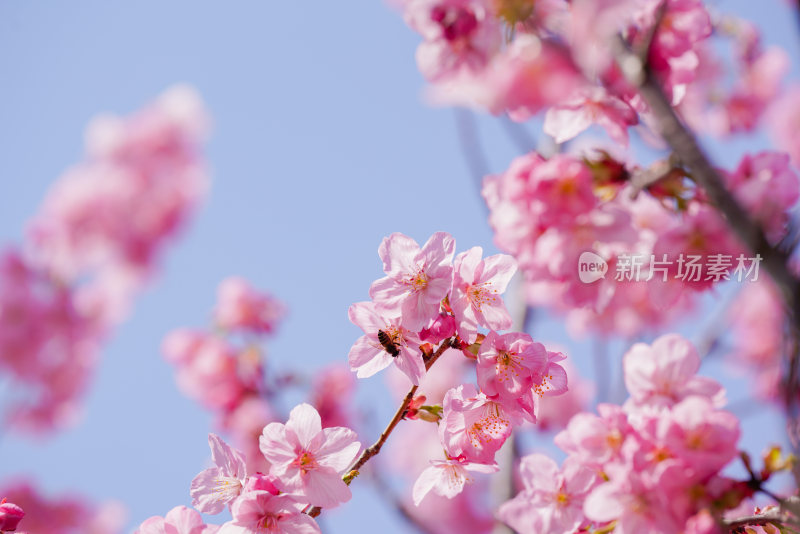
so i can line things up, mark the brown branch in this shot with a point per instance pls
(399, 415)
(686, 148)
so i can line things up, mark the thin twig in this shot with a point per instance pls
(399, 415)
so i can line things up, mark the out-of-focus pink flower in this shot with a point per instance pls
(664, 373)
(63, 514)
(507, 364)
(783, 120)
(10, 515)
(261, 511)
(208, 368)
(307, 460)
(684, 25)
(636, 502)
(699, 234)
(758, 339)
(590, 105)
(767, 187)
(142, 180)
(460, 36)
(217, 486)
(241, 307)
(528, 76)
(49, 343)
(473, 427)
(446, 478)
(595, 440)
(703, 438)
(368, 355)
(466, 513)
(179, 520)
(553, 498)
(331, 394)
(95, 241)
(477, 286)
(417, 279)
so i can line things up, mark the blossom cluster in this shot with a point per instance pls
(94, 243)
(430, 297)
(306, 464)
(650, 465)
(548, 212)
(27, 508)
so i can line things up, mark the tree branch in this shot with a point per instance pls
(399, 415)
(686, 148)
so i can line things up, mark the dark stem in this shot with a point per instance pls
(399, 415)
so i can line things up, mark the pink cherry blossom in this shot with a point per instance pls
(704, 438)
(594, 439)
(757, 327)
(475, 297)
(446, 478)
(552, 500)
(473, 427)
(508, 363)
(66, 513)
(635, 501)
(241, 307)
(783, 119)
(179, 520)
(208, 368)
(767, 187)
(10, 515)
(217, 486)
(663, 374)
(368, 356)
(591, 105)
(417, 279)
(460, 36)
(307, 460)
(263, 512)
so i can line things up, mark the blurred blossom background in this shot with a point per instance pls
(319, 144)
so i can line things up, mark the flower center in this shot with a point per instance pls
(226, 488)
(305, 462)
(418, 281)
(508, 365)
(480, 294)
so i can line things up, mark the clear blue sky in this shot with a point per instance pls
(321, 146)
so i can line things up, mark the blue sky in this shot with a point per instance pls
(321, 146)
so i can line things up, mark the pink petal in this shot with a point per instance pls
(339, 449)
(305, 422)
(324, 487)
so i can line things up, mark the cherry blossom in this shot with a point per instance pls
(217, 486)
(417, 279)
(552, 500)
(261, 511)
(475, 297)
(368, 356)
(447, 478)
(307, 460)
